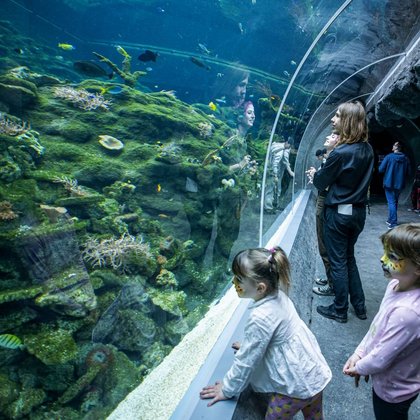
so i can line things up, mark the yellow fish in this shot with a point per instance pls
(158, 188)
(10, 341)
(66, 47)
(212, 106)
(122, 51)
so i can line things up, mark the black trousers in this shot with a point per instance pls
(340, 235)
(391, 411)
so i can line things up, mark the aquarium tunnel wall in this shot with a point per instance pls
(142, 145)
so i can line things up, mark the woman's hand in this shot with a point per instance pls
(236, 346)
(310, 174)
(213, 391)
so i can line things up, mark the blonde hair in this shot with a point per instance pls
(404, 240)
(271, 267)
(353, 125)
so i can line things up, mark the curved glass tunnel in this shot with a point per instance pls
(135, 142)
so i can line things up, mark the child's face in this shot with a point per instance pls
(402, 269)
(245, 288)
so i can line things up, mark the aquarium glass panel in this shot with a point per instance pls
(134, 154)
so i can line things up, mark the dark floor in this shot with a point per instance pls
(342, 401)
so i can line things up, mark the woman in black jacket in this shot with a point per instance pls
(347, 174)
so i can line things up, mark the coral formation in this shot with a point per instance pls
(6, 211)
(130, 78)
(82, 98)
(12, 127)
(115, 253)
(110, 143)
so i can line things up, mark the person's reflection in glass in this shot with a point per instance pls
(234, 152)
(247, 119)
(279, 162)
(230, 87)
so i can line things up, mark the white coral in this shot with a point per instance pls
(114, 252)
(82, 98)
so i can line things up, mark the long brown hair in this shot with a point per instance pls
(270, 266)
(353, 125)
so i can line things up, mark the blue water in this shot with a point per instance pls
(266, 36)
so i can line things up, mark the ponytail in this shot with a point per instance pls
(270, 266)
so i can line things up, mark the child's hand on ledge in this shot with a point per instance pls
(213, 391)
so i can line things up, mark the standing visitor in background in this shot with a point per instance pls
(390, 351)
(324, 286)
(279, 162)
(415, 192)
(396, 169)
(347, 173)
(279, 356)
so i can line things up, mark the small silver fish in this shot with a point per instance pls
(293, 63)
(204, 49)
(286, 73)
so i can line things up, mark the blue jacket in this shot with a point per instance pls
(395, 168)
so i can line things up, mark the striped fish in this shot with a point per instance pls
(10, 341)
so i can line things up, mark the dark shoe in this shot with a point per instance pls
(331, 313)
(324, 290)
(361, 314)
(321, 282)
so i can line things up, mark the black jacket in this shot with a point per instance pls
(347, 174)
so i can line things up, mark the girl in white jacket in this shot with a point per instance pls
(279, 355)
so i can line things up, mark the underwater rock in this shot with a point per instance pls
(29, 398)
(133, 331)
(80, 385)
(98, 175)
(20, 294)
(52, 347)
(172, 302)
(132, 296)
(9, 170)
(17, 96)
(9, 391)
(56, 378)
(175, 330)
(166, 279)
(69, 294)
(73, 130)
(155, 354)
(111, 143)
(401, 98)
(11, 319)
(121, 377)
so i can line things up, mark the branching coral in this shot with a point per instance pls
(70, 185)
(11, 127)
(116, 253)
(82, 98)
(130, 79)
(6, 211)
